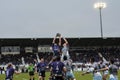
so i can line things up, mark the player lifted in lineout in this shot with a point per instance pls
(56, 47)
(59, 48)
(65, 49)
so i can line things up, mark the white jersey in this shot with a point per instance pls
(92, 69)
(103, 65)
(65, 50)
(69, 73)
(113, 70)
(68, 64)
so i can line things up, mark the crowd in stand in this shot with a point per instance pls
(60, 61)
(15, 59)
(110, 53)
(82, 56)
(77, 56)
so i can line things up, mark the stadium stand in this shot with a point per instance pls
(15, 59)
(81, 49)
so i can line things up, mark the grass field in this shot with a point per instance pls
(25, 76)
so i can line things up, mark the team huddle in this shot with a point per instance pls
(60, 66)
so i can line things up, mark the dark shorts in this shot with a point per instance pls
(56, 53)
(9, 78)
(58, 78)
(42, 73)
(31, 73)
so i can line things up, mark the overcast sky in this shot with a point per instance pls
(44, 18)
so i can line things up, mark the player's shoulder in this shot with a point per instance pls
(95, 64)
(52, 63)
(12, 69)
(39, 63)
(60, 62)
(70, 60)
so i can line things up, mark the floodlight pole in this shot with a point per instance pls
(100, 6)
(101, 25)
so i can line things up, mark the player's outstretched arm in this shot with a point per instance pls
(103, 69)
(85, 73)
(64, 69)
(60, 40)
(54, 40)
(17, 72)
(88, 71)
(65, 40)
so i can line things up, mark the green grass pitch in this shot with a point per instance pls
(25, 76)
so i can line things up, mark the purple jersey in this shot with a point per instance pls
(41, 66)
(9, 73)
(55, 48)
(57, 67)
